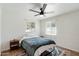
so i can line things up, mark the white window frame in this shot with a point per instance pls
(51, 31)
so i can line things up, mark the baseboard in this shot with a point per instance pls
(69, 49)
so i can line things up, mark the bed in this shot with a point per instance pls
(32, 44)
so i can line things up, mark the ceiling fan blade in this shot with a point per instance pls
(34, 11)
(36, 14)
(44, 6)
(48, 12)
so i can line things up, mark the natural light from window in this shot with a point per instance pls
(50, 28)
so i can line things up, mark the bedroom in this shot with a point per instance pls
(18, 22)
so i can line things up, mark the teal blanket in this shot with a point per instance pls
(31, 44)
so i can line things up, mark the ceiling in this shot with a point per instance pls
(57, 8)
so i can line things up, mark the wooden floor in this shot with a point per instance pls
(16, 52)
(69, 52)
(21, 52)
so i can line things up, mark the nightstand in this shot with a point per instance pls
(14, 44)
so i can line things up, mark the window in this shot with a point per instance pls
(30, 26)
(50, 28)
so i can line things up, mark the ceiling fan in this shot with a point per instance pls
(42, 11)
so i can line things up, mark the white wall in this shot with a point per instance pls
(12, 25)
(67, 30)
(0, 29)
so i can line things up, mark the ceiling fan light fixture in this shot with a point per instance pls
(41, 15)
